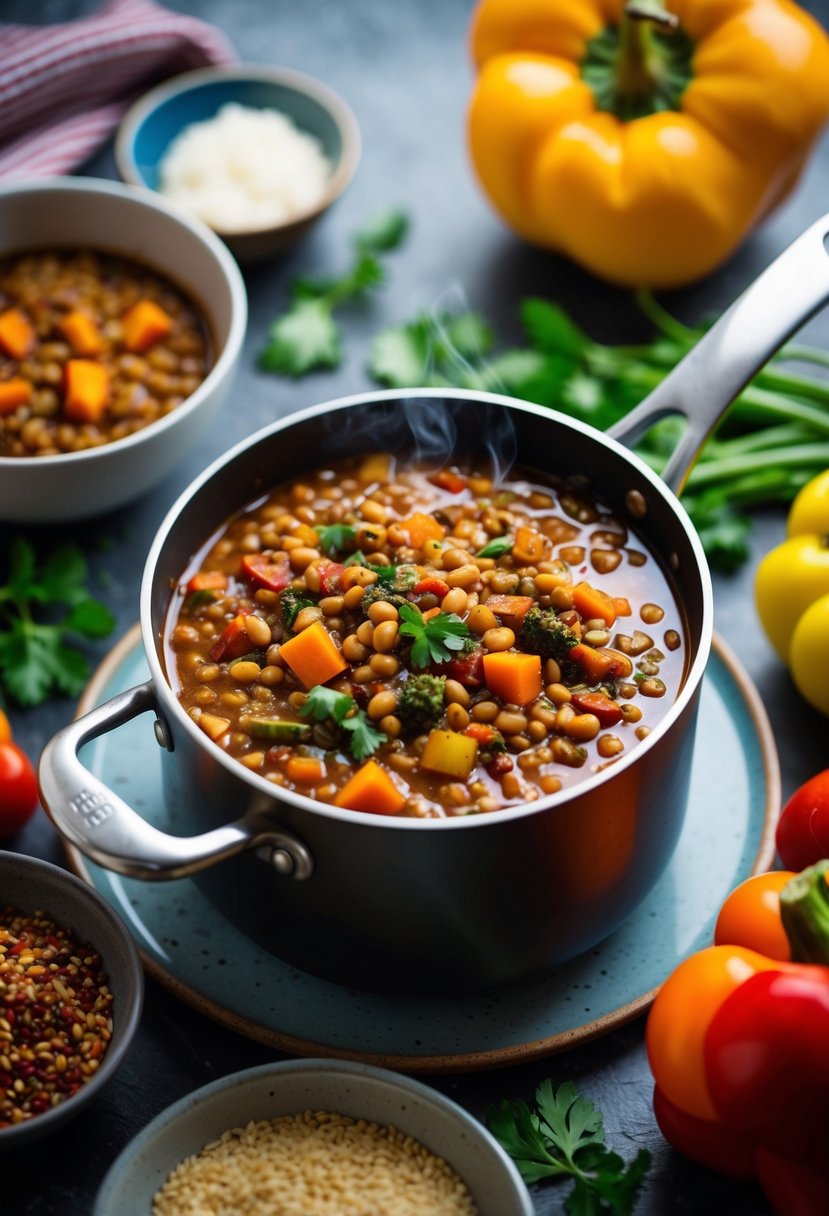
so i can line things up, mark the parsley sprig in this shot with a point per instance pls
(325, 703)
(564, 1138)
(306, 337)
(436, 639)
(36, 659)
(334, 537)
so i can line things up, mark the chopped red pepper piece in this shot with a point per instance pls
(482, 732)
(330, 577)
(467, 669)
(232, 643)
(449, 480)
(596, 703)
(431, 586)
(207, 580)
(274, 574)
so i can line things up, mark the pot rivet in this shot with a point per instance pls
(636, 504)
(162, 735)
(282, 861)
(673, 561)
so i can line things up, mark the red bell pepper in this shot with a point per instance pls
(758, 1041)
(274, 574)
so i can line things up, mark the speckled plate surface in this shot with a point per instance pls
(191, 949)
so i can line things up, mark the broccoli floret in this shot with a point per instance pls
(544, 634)
(392, 590)
(420, 704)
(291, 603)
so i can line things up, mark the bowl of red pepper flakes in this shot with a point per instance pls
(71, 993)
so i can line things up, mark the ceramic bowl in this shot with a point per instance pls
(28, 884)
(294, 1086)
(85, 213)
(160, 115)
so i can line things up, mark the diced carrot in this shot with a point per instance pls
(143, 325)
(598, 704)
(313, 655)
(513, 607)
(420, 527)
(17, 335)
(593, 604)
(13, 393)
(449, 753)
(481, 732)
(371, 789)
(86, 390)
(305, 770)
(207, 580)
(431, 586)
(529, 546)
(213, 726)
(599, 665)
(82, 333)
(233, 642)
(449, 480)
(515, 678)
(622, 605)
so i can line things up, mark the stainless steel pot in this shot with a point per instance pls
(455, 903)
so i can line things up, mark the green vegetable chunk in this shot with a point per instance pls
(291, 603)
(420, 703)
(544, 634)
(278, 730)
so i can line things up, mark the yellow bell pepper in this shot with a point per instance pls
(643, 144)
(791, 590)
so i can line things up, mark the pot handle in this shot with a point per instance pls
(102, 825)
(705, 382)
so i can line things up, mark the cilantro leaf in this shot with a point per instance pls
(470, 335)
(35, 658)
(303, 339)
(324, 703)
(551, 330)
(564, 1137)
(435, 640)
(383, 232)
(399, 357)
(334, 537)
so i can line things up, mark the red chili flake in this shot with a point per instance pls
(44, 1004)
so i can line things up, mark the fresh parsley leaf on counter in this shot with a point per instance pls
(36, 659)
(563, 1137)
(306, 337)
(325, 703)
(435, 639)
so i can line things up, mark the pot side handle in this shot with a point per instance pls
(705, 382)
(94, 819)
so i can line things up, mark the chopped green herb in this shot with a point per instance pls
(435, 640)
(335, 537)
(324, 703)
(35, 658)
(291, 603)
(496, 547)
(564, 1138)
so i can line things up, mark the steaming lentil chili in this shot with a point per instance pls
(403, 641)
(55, 1015)
(93, 347)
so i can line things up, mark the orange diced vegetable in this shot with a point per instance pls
(622, 605)
(420, 528)
(145, 324)
(449, 480)
(207, 580)
(213, 726)
(515, 607)
(597, 703)
(13, 393)
(597, 665)
(594, 604)
(371, 789)
(305, 770)
(82, 333)
(450, 754)
(481, 732)
(515, 678)
(17, 336)
(529, 546)
(86, 390)
(313, 656)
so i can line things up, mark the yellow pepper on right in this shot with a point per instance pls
(791, 591)
(643, 141)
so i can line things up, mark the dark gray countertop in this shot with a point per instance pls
(404, 69)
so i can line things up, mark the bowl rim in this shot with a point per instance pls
(347, 1070)
(292, 78)
(53, 876)
(212, 245)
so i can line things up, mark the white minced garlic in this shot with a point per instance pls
(244, 169)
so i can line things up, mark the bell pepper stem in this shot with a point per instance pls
(804, 910)
(636, 71)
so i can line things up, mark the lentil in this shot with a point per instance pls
(55, 1014)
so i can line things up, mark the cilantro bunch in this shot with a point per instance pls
(563, 1137)
(37, 657)
(434, 640)
(342, 709)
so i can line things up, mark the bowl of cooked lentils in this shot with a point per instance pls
(71, 992)
(328, 1137)
(121, 325)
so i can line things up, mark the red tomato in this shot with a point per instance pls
(267, 572)
(803, 827)
(18, 789)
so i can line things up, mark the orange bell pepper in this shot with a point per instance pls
(644, 144)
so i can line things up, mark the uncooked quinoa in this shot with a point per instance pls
(245, 169)
(314, 1164)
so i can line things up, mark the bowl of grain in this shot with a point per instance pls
(71, 993)
(258, 153)
(331, 1137)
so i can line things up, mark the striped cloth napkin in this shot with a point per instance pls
(64, 88)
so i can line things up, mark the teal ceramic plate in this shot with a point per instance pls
(191, 949)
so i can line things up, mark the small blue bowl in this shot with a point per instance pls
(159, 116)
